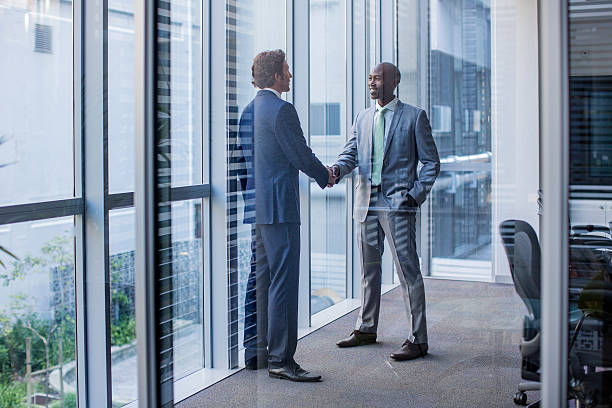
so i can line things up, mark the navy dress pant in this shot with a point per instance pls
(275, 294)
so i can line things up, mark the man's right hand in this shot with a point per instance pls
(333, 175)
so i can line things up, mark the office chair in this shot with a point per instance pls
(590, 299)
(523, 252)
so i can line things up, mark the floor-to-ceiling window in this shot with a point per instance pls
(180, 104)
(590, 202)
(460, 113)
(328, 107)
(444, 54)
(37, 269)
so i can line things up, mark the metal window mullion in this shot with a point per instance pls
(206, 170)
(218, 290)
(12, 214)
(350, 108)
(423, 99)
(94, 281)
(359, 63)
(554, 133)
(301, 101)
(79, 220)
(145, 204)
(384, 44)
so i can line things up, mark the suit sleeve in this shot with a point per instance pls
(348, 159)
(290, 137)
(428, 155)
(244, 151)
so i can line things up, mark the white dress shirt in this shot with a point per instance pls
(273, 91)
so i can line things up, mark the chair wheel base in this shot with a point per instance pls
(520, 398)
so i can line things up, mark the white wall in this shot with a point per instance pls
(515, 119)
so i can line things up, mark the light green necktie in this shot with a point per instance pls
(378, 147)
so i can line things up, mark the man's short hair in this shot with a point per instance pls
(265, 65)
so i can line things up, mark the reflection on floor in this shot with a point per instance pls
(474, 331)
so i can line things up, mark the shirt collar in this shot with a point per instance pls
(390, 106)
(274, 91)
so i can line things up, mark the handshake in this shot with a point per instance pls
(334, 175)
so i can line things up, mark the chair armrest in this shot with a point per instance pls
(530, 347)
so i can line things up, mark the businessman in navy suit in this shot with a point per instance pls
(270, 129)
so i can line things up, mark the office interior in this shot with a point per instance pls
(124, 256)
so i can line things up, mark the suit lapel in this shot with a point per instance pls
(397, 114)
(366, 139)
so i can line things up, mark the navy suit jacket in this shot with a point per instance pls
(274, 150)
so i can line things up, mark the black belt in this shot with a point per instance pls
(377, 188)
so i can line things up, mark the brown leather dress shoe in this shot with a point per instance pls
(410, 351)
(357, 338)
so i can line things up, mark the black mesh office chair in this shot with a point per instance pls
(523, 251)
(590, 301)
(590, 298)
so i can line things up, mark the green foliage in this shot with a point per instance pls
(12, 395)
(70, 401)
(20, 322)
(123, 332)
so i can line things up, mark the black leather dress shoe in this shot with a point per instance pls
(293, 373)
(410, 351)
(256, 363)
(357, 338)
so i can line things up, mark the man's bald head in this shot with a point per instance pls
(382, 82)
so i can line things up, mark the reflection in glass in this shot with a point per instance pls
(327, 137)
(37, 313)
(36, 138)
(187, 267)
(460, 112)
(590, 175)
(188, 328)
(256, 26)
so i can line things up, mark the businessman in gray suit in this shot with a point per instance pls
(387, 143)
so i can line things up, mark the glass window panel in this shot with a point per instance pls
(121, 101)
(38, 313)
(590, 204)
(461, 230)
(327, 137)
(36, 137)
(255, 26)
(187, 270)
(410, 54)
(122, 242)
(460, 116)
(187, 267)
(185, 94)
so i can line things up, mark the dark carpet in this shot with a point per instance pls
(474, 331)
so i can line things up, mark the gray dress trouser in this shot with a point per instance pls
(398, 226)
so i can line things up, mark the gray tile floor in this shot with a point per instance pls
(474, 331)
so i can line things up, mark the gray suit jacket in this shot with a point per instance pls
(408, 142)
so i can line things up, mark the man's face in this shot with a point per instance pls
(285, 81)
(381, 82)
